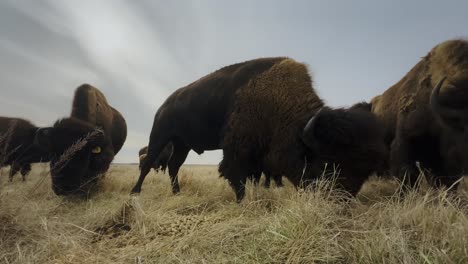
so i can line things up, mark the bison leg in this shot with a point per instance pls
(25, 169)
(448, 177)
(14, 168)
(239, 188)
(236, 174)
(256, 177)
(163, 168)
(447, 181)
(402, 166)
(177, 159)
(147, 165)
(267, 180)
(452, 170)
(278, 180)
(237, 178)
(352, 181)
(145, 169)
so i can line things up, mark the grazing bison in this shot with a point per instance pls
(194, 116)
(83, 145)
(17, 147)
(280, 122)
(264, 111)
(161, 161)
(425, 116)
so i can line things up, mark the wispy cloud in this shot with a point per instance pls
(139, 52)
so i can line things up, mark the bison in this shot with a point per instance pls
(194, 116)
(161, 161)
(425, 116)
(17, 147)
(264, 111)
(83, 145)
(280, 122)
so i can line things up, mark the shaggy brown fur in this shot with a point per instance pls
(267, 126)
(256, 111)
(267, 122)
(411, 127)
(194, 116)
(350, 142)
(17, 147)
(90, 115)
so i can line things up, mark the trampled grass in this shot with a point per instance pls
(203, 224)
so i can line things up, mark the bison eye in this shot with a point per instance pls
(96, 150)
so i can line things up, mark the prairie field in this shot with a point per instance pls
(204, 224)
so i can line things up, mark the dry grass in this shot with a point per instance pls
(203, 224)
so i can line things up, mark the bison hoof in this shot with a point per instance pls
(135, 191)
(240, 197)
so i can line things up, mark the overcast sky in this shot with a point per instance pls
(139, 52)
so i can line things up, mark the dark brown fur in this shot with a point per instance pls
(267, 127)
(349, 142)
(411, 127)
(17, 147)
(256, 111)
(194, 116)
(90, 115)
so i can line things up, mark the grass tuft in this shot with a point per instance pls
(204, 224)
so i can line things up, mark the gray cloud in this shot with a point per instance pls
(139, 52)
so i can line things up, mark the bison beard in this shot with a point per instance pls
(425, 117)
(83, 145)
(256, 112)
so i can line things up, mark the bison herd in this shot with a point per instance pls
(267, 118)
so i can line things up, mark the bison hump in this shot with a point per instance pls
(90, 105)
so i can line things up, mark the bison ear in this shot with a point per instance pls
(43, 137)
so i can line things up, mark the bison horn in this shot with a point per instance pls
(308, 132)
(142, 157)
(442, 111)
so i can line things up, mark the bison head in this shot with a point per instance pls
(351, 138)
(451, 106)
(451, 109)
(79, 152)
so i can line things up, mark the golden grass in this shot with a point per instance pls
(203, 224)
